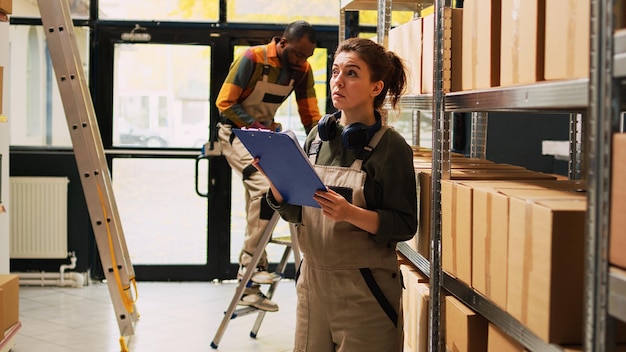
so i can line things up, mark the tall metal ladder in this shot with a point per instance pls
(91, 161)
(291, 245)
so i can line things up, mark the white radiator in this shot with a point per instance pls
(38, 217)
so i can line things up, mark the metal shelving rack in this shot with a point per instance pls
(605, 294)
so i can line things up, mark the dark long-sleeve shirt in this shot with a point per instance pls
(390, 187)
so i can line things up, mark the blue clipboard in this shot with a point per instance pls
(285, 164)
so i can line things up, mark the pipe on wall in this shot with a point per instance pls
(61, 278)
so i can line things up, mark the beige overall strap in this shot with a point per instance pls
(369, 148)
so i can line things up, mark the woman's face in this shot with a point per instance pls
(350, 84)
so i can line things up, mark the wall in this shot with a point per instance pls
(4, 150)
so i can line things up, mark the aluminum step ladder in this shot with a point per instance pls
(91, 162)
(291, 245)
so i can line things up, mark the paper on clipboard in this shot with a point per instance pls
(285, 164)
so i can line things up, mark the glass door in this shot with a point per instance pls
(156, 103)
(160, 121)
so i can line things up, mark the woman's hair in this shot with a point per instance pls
(384, 66)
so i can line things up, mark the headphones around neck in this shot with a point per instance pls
(354, 136)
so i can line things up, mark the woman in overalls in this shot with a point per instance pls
(349, 286)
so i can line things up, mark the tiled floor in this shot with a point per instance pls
(173, 317)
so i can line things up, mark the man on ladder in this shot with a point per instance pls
(258, 82)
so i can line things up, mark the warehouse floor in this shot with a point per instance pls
(173, 317)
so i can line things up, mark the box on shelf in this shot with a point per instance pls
(522, 42)
(498, 341)
(456, 230)
(490, 240)
(6, 6)
(546, 262)
(406, 41)
(465, 329)
(415, 309)
(497, 172)
(9, 290)
(617, 239)
(452, 51)
(424, 193)
(567, 39)
(481, 44)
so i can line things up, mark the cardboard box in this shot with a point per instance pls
(456, 230)
(617, 239)
(466, 331)
(415, 309)
(546, 262)
(10, 301)
(452, 51)
(6, 6)
(481, 44)
(490, 243)
(424, 194)
(421, 304)
(522, 42)
(567, 39)
(406, 41)
(490, 222)
(498, 341)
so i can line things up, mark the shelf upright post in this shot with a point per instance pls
(478, 144)
(383, 22)
(440, 169)
(575, 166)
(598, 149)
(342, 23)
(417, 129)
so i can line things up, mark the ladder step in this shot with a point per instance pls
(284, 240)
(240, 312)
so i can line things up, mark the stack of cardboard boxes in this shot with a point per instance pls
(517, 238)
(498, 43)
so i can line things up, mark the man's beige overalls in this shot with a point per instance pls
(261, 104)
(349, 288)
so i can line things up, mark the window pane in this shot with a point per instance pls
(161, 95)
(160, 10)
(29, 8)
(369, 17)
(35, 108)
(322, 12)
(163, 219)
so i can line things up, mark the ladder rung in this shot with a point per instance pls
(243, 311)
(284, 240)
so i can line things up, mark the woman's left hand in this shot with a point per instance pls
(333, 204)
